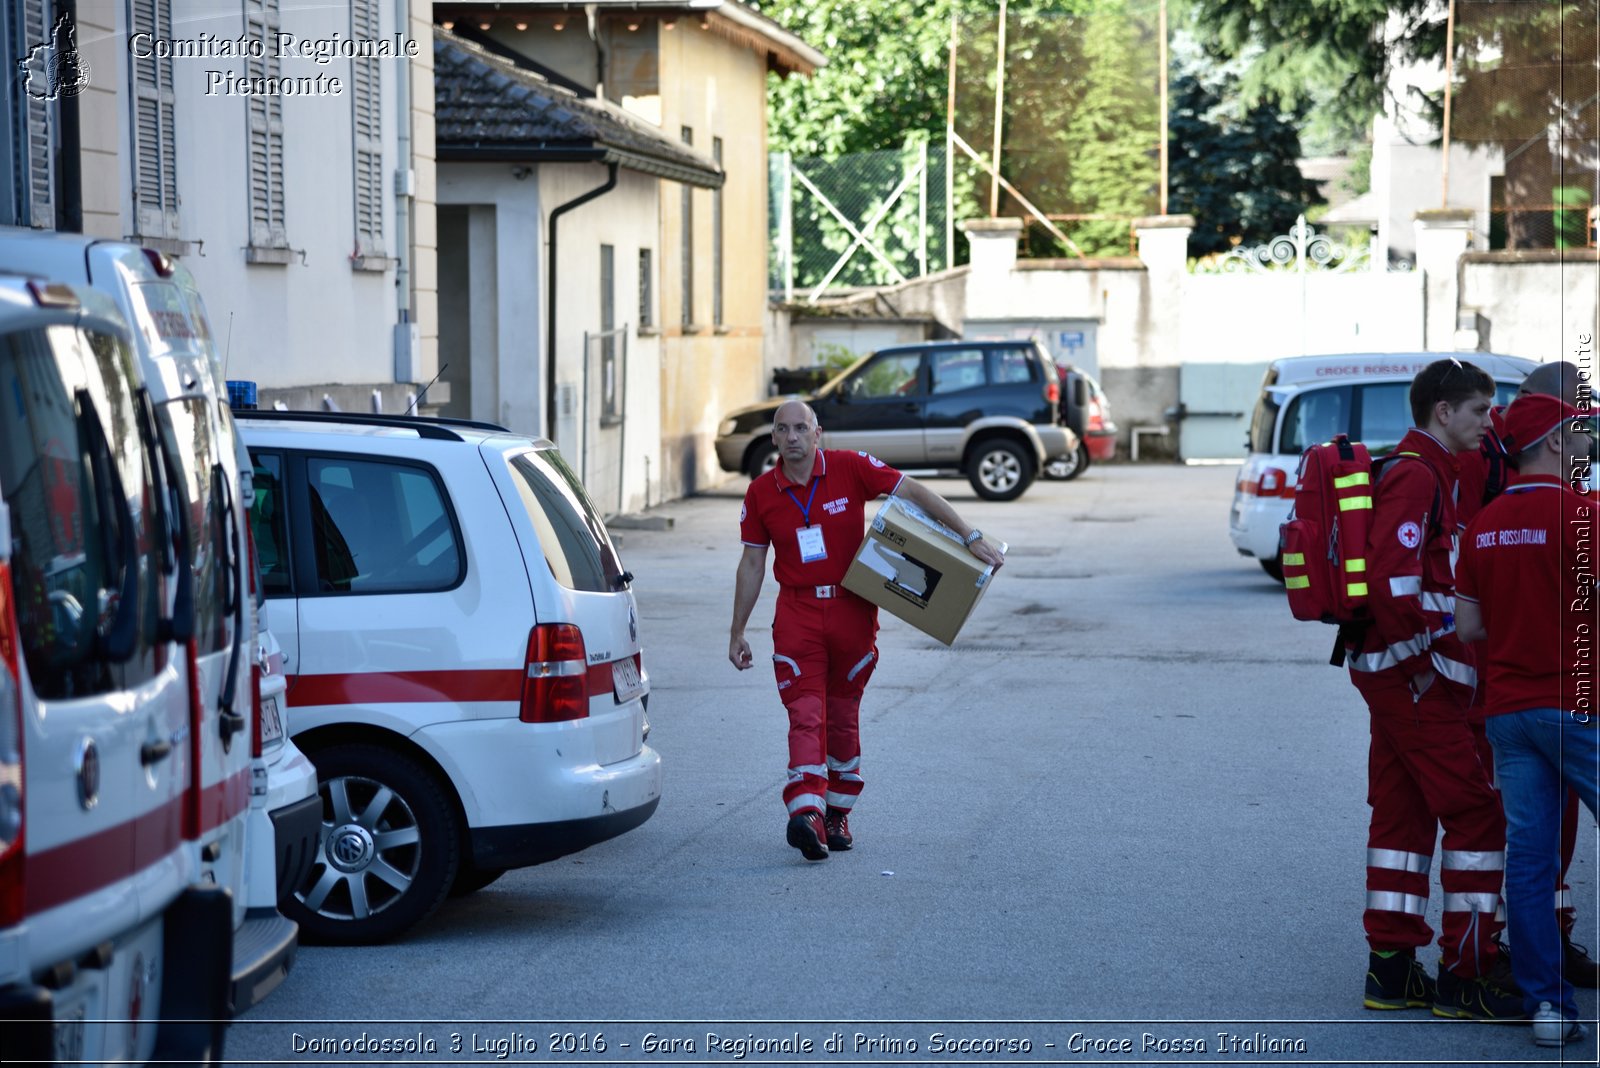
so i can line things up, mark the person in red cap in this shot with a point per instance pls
(1526, 586)
(1417, 679)
(811, 510)
(1483, 477)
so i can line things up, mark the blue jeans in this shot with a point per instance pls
(1537, 755)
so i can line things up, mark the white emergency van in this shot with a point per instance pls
(1306, 400)
(114, 944)
(213, 620)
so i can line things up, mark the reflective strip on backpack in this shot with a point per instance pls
(1296, 582)
(1294, 559)
(1360, 478)
(1355, 564)
(1355, 589)
(1347, 504)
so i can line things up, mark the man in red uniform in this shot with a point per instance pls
(1418, 679)
(811, 509)
(1483, 475)
(1527, 585)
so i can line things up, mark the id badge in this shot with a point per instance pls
(811, 547)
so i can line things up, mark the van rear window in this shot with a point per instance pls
(576, 547)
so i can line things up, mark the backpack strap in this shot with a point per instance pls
(1381, 468)
(1495, 450)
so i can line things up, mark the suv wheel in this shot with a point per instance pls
(763, 458)
(999, 470)
(1069, 467)
(389, 848)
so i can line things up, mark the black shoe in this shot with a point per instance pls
(1397, 982)
(838, 823)
(1578, 968)
(805, 834)
(1501, 974)
(1480, 998)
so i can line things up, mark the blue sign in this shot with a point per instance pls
(1070, 339)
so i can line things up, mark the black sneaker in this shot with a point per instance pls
(1578, 968)
(1397, 982)
(806, 833)
(1480, 998)
(838, 824)
(1501, 974)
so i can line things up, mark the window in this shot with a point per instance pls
(647, 289)
(264, 112)
(204, 504)
(610, 379)
(366, 114)
(576, 547)
(716, 239)
(381, 527)
(155, 164)
(687, 212)
(268, 526)
(1385, 415)
(888, 377)
(1314, 417)
(1010, 367)
(956, 369)
(75, 472)
(29, 179)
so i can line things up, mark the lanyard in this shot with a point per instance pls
(805, 509)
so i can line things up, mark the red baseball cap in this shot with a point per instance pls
(1532, 416)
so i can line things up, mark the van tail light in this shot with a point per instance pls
(556, 685)
(196, 787)
(13, 882)
(1052, 392)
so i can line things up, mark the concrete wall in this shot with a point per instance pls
(718, 89)
(1533, 303)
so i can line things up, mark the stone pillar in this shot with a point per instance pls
(1164, 243)
(993, 243)
(1442, 237)
(1164, 248)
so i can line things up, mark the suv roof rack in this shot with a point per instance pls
(431, 427)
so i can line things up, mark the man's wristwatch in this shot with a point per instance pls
(974, 536)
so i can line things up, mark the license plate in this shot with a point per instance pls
(271, 722)
(69, 1035)
(625, 680)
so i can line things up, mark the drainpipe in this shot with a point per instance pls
(407, 343)
(550, 300)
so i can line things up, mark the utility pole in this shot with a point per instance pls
(999, 113)
(950, 152)
(1449, 87)
(1162, 30)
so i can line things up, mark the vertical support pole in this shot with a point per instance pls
(950, 152)
(999, 114)
(786, 227)
(1301, 241)
(1165, 163)
(1449, 79)
(922, 210)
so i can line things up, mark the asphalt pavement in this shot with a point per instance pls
(1128, 806)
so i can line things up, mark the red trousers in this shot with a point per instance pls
(1423, 770)
(823, 653)
(1566, 914)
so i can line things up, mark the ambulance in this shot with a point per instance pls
(1306, 400)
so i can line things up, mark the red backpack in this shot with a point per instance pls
(1324, 540)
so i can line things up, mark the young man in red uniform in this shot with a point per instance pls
(811, 509)
(1483, 475)
(1526, 586)
(1418, 678)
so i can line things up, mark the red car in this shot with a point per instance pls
(1086, 410)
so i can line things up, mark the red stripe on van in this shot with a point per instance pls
(222, 801)
(82, 866)
(405, 687)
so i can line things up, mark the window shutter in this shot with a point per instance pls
(155, 175)
(265, 123)
(366, 112)
(36, 161)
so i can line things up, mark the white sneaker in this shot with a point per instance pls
(1550, 1028)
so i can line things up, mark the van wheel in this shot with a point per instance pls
(1069, 467)
(389, 848)
(1273, 567)
(763, 458)
(470, 879)
(999, 470)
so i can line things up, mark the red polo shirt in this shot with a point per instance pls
(835, 499)
(1528, 560)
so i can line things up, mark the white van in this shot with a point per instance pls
(1306, 400)
(114, 945)
(214, 624)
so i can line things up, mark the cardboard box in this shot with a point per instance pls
(917, 568)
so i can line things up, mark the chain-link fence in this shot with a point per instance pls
(869, 218)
